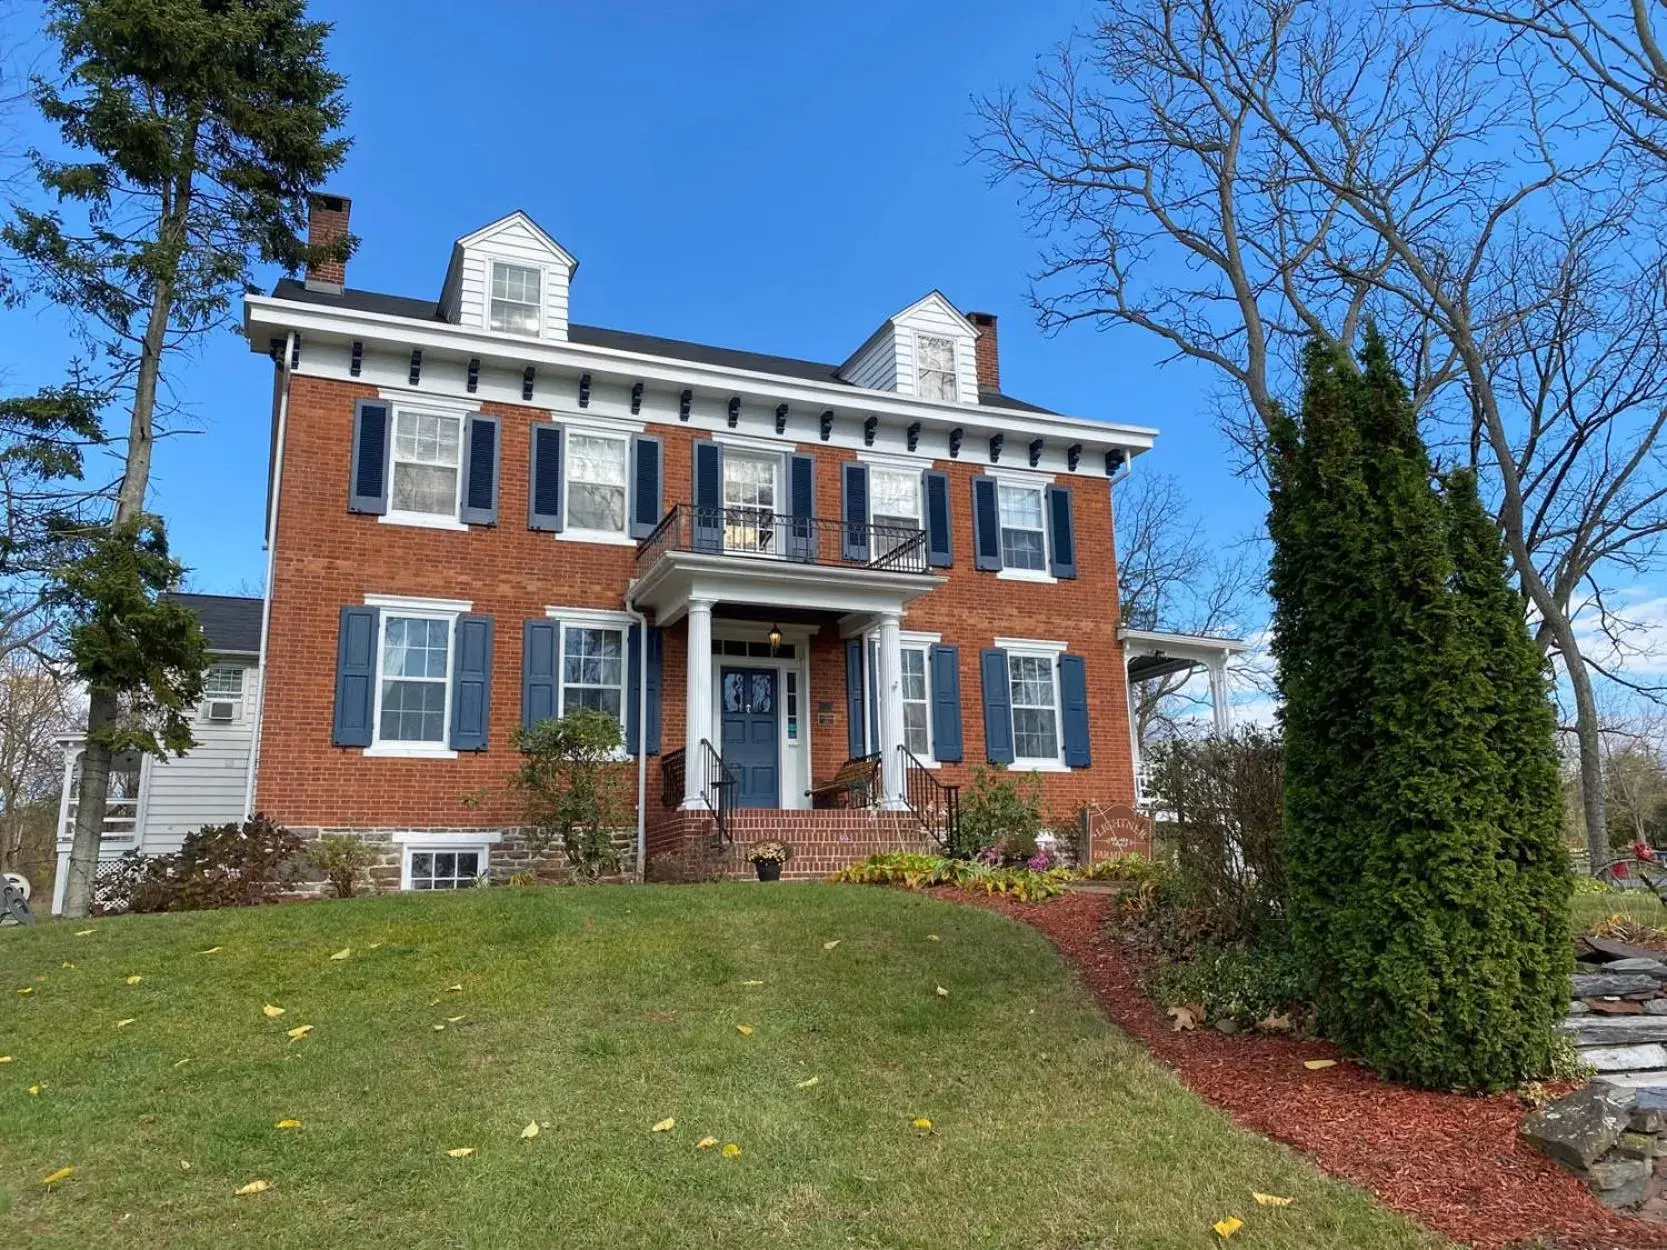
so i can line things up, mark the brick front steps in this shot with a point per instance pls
(683, 845)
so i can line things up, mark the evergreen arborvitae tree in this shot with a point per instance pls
(1427, 888)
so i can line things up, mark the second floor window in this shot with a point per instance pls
(596, 483)
(516, 298)
(425, 463)
(750, 502)
(1023, 540)
(411, 704)
(935, 366)
(894, 508)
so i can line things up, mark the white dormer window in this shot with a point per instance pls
(517, 294)
(935, 365)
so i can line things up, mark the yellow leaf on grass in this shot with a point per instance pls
(923, 1124)
(706, 1143)
(342, 954)
(815, 1080)
(439, 1028)
(271, 1012)
(752, 983)
(85, 932)
(122, 1024)
(213, 950)
(288, 1124)
(135, 979)
(1188, 1017)
(27, 989)
(67, 965)
(1314, 1065)
(373, 946)
(731, 1150)
(933, 937)
(455, 1019)
(253, 1187)
(942, 993)
(182, 1062)
(455, 989)
(300, 1031)
(5, 1058)
(62, 1174)
(744, 1029)
(665, 1126)
(35, 1090)
(1271, 1200)
(462, 1152)
(530, 1131)
(1226, 1228)
(828, 946)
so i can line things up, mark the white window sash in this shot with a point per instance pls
(570, 463)
(439, 847)
(563, 685)
(413, 746)
(1050, 662)
(448, 519)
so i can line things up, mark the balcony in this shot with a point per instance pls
(758, 556)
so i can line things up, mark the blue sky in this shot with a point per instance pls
(772, 177)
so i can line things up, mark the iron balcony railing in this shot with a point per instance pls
(760, 533)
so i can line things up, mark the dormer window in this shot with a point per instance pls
(517, 295)
(935, 365)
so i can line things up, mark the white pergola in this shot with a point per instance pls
(1151, 654)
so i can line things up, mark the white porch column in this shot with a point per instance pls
(697, 702)
(1219, 704)
(891, 709)
(1134, 734)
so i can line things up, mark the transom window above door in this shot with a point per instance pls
(596, 491)
(750, 494)
(517, 292)
(427, 451)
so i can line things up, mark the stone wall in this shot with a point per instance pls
(506, 857)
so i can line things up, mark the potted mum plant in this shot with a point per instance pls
(767, 859)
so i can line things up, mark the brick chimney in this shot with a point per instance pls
(985, 352)
(326, 223)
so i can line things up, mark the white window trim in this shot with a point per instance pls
(578, 534)
(911, 470)
(911, 460)
(405, 402)
(239, 699)
(954, 369)
(442, 844)
(756, 444)
(1050, 651)
(773, 458)
(447, 610)
(596, 618)
(1038, 482)
(543, 298)
(1041, 576)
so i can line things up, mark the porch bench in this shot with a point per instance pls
(854, 785)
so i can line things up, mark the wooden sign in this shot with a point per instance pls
(1112, 829)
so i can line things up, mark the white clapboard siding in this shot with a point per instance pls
(205, 786)
(875, 366)
(933, 315)
(514, 241)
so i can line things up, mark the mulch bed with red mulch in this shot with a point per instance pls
(1450, 1161)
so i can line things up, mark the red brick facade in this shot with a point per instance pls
(326, 557)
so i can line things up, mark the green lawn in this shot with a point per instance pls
(1641, 905)
(598, 1012)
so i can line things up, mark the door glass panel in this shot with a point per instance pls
(735, 692)
(763, 693)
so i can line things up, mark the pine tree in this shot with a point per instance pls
(196, 130)
(1428, 889)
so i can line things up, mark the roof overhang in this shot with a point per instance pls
(1152, 653)
(266, 318)
(680, 576)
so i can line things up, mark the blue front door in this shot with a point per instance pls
(750, 745)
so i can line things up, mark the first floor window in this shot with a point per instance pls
(1023, 543)
(445, 870)
(427, 447)
(917, 733)
(515, 298)
(935, 360)
(593, 669)
(1035, 708)
(416, 654)
(596, 483)
(121, 803)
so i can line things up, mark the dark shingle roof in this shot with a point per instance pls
(231, 622)
(618, 340)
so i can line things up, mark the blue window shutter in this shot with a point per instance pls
(471, 684)
(633, 685)
(945, 665)
(854, 512)
(480, 470)
(1073, 704)
(940, 542)
(998, 706)
(986, 524)
(1062, 532)
(709, 496)
(540, 660)
(368, 489)
(544, 490)
(647, 480)
(853, 696)
(801, 503)
(651, 735)
(355, 677)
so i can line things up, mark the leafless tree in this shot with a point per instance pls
(1171, 577)
(1241, 177)
(36, 707)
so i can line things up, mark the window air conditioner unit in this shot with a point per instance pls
(222, 711)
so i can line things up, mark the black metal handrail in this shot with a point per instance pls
(761, 533)
(721, 784)
(935, 805)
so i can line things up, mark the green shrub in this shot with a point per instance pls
(998, 812)
(573, 789)
(1590, 885)
(342, 860)
(1243, 985)
(235, 865)
(1133, 867)
(919, 872)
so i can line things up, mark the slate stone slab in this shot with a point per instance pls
(1609, 948)
(1600, 984)
(1614, 1007)
(1656, 1007)
(1641, 1058)
(1639, 963)
(1616, 1030)
(1579, 1008)
(1580, 1129)
(1634, 1082)
(1619, 1183)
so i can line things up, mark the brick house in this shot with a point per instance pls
(483, 513)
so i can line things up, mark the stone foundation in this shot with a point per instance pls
(506, 857)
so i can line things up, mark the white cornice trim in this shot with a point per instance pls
(266, 317)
